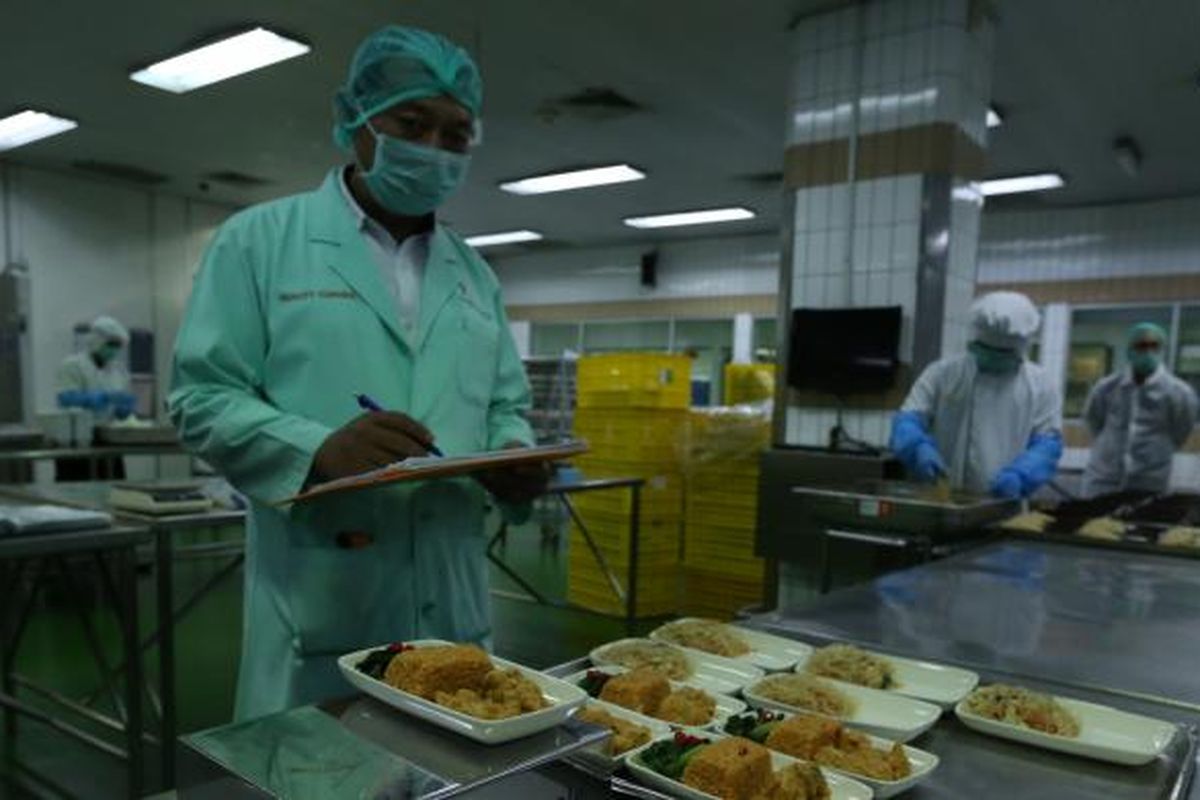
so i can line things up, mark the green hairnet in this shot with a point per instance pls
(397, 64)
(1137, 331)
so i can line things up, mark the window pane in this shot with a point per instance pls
(552, 338)
(710, 344)
(764, 344)
(610, 337)
(1187, 351)
(1098, 347)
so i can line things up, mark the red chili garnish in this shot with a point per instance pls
(399, 647)
(687, 740)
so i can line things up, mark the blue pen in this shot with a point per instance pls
(367, 404)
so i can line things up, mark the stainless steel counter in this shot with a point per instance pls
(1075, 614)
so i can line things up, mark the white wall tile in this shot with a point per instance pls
(838, 249)
(881, 247)
(915, 55)
(882, 202)
(904, 289)
(839, 205)
(818, 208)
(878, 288)
(818, 251)
(908, 198)
(893, 16)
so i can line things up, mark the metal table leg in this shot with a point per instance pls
(128, 612)
(634, 546)
(591, 543)
(166, 651)
(499, 538)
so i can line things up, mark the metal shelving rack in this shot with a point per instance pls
(552, 381)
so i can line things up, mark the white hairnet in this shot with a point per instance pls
(1004, 319)
(104, 330)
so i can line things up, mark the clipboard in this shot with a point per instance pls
(424, 468)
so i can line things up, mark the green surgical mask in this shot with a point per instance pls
(1144, 363)
(412, 179)
(995, 360)
(107, 353)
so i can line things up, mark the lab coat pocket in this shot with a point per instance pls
(335, 593)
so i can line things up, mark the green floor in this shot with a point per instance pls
(54, 649)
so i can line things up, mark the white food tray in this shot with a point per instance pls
(925, 680)
(840, 787)
(711, 673)
(922, 763)
(768, 652)
(726, 706)
(564, 699)
(1105, 733)
(881, 713)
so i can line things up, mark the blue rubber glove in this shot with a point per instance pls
(929, 465)
(77, 398)
(915, 448)
(123, 403)
(1032, 468)
(1007, 484)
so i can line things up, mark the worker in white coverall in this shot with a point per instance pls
(1138, 418)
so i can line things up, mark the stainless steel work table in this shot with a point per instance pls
(1095, 625)
(164, 528)
(113, 551)
(1076, 614)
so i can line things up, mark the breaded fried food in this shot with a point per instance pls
(642, 690)
(687, 706)
(426, 671)
(732, 769)
(798, 782)
(626, 735)
(803, 735)
(826, 742)
(504, 694)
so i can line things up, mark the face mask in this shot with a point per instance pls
(1144, 362)
(412, 179)
(995, 361)
(107, 353)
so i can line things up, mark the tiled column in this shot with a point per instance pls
(886, 136)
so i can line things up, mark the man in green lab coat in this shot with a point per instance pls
(356, 287)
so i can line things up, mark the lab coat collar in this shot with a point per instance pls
(1154, 377)
(445, 272)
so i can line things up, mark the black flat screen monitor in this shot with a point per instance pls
(845, 351)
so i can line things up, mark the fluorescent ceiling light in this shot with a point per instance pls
(1022, 183)
(576, 179)
(243, 52)
(29, 126)
(994, 120)
(507, 237)
(690, 218)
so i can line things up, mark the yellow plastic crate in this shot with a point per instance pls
(632, 380)
(749, 383)
(658, 591)
(715, 594)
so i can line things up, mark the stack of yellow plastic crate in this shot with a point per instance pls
(632, 410)
(721, 572)
(749, 383)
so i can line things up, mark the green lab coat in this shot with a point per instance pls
(288, 319)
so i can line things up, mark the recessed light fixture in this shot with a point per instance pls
(994, 120)
(575, 179)
(703, 217)
(505, 237)
(1022, 183)
(233, 55)
(28, 126)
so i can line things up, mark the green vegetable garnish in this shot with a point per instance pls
(756, 726)
(593, 682)
(670, 758)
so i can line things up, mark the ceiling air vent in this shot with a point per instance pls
(237, 179)
(121, 172)
(595, 103)
(771, 178)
